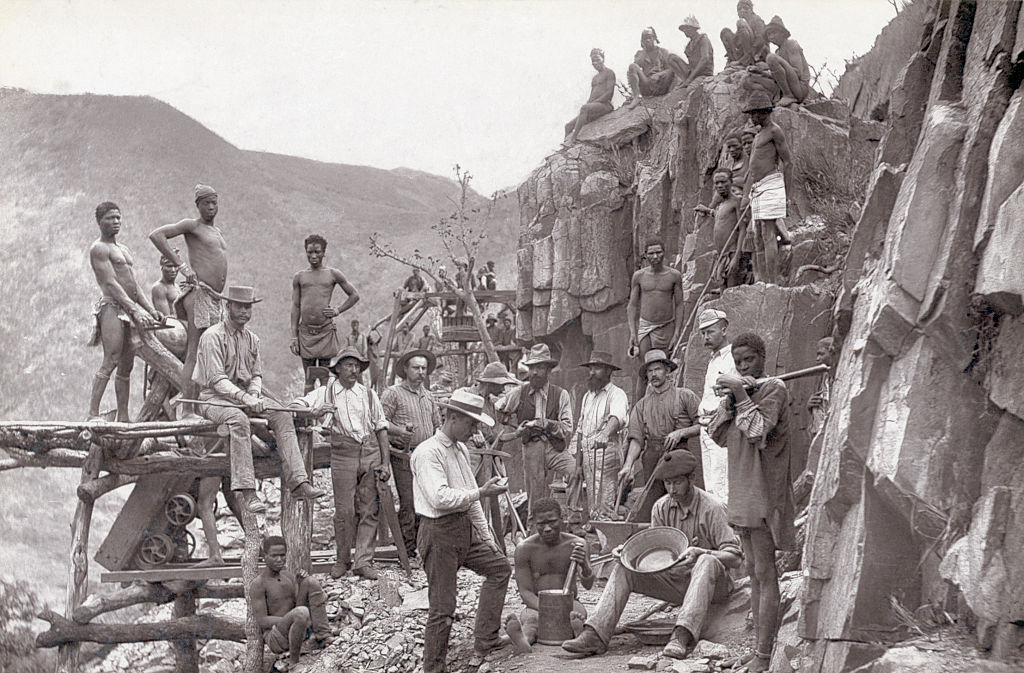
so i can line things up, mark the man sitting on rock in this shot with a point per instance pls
(650, 73)
(602, 88)
(288, 608)
(542, 563)
(748, 44)
(699, 577)
(699, 54)
(788, 65)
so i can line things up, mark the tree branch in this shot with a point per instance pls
(204, 626)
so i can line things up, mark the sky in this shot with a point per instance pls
(487, 84)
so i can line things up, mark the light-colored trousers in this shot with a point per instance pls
(601, 479)
(715, 460)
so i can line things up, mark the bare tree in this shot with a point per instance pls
(461, 242)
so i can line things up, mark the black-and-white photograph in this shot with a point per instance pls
(511, 336)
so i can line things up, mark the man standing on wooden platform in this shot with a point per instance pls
(121, 305)
(204, 275)
(542, 414)
(229, 373)
(314, 337)
(603, 415)
(699, 577)
(753, 422)
(664, 418)
(359, 457)
(287, 608)
(542, 563)
(412, 418)
(454, 533)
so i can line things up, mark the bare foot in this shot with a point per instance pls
(515, 631)
(786, 101)
(632, 102)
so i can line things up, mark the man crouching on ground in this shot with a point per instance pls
(698, 578)
(542, 562)
(288, 608)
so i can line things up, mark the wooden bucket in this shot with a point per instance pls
(553, 625)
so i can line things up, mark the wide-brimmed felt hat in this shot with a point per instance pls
(495, 372)
(600, 358)
(539, 354)
(776, 24)
(241, 294)
(709, 317)
(416, 352)
(675, 464)
(349, 352)
(655, 355)
(468, 404)
(690, 22)
(758, 100)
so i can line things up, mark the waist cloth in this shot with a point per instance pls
(205, 308)
(97, 310)
(661, 333)
(768, 197)
(318, 341)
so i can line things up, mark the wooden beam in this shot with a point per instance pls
(64, 633)
(149, 592)
(53, 458)
(186, 656)
(253, 662)
(297, 515)
(171, 572)
(91, 490)
(384, 379)
(485, 296)
(212, 465)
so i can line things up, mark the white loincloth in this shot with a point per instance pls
(768, 197)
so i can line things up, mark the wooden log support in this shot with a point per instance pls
(186, 656)
(156, 355)
(208, 466)
(54, 458)
(90, 491)
(152, 592)
(297, 515)
(78, 579)
(253, 662)
(65, 633)
(385, 380)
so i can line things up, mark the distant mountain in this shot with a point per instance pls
(62, 155)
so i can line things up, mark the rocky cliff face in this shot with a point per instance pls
(915, 510)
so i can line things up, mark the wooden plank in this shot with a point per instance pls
(143, 512)
(485, 296)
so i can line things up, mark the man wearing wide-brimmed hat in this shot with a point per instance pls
(542, 414)
(229, 369)
(603, 415)
(359, 456)
(698, 577)
(713, 324)
(454, 533)
(412, 417)
(700, 57)
(664, 418)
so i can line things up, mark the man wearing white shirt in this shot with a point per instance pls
(714, 458)
(359, 456)
(603, 414)
(454, 533)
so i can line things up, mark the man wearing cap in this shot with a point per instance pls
(698, 577)
(713, 325)
(650, 73)
(664, 418)
(788, 65)
(542, 414)
(602, 88)
(229, 372)
(314, 337)
(654, 311)
(163, 294)
(204, 275)
(765, 188)
(412, 417)
(699, 54)
(603, 415)
(359, 456)
(752, 421)
(454, 533)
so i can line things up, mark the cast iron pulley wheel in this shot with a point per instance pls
(184, 546)
(180, 509)
(155, 550)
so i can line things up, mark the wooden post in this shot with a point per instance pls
(253, 662)
(186, 656)
(297, 515)
(385, 380)
(78, 576)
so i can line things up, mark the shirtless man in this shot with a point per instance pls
(286, 607)
(542, 562)
(164, 293)
(122, 304)
(602, 87)
(765, 189)
(699, 54)
(788, 65)
(726, 208)
(655, 299)
(205, 274)
(739, 158)
(748, 44)
(650, 73)
(314, 337)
